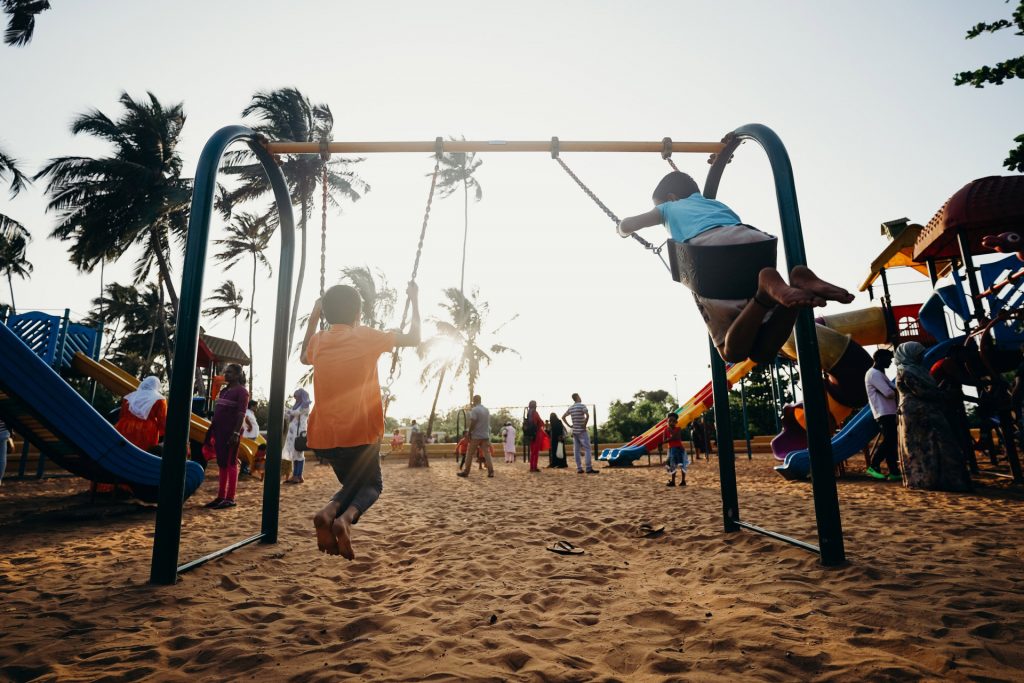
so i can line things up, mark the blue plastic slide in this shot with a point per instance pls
(50, 414)
(858, 431)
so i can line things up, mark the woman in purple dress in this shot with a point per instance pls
(225, 430)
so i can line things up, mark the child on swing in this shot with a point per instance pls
(347, 422)
(754, 328)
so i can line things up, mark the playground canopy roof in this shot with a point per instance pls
(899, 253)
(981, 207)
(221, 351)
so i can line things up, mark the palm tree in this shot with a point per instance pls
(457, 169)
(287, 114)
(227, 298)
(133, 317)
(248, 234)
(13, 261)
(14, 237)
(136, 196)
(378, 296)
(21, 22)
(457, 345)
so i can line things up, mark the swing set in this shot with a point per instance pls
(164, 568)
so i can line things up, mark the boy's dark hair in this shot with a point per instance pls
(341, 305)
(672, 415)
(882, 353)
(677, 183)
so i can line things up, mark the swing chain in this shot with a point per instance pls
(608, 212)
(325, 156)
(438, 153)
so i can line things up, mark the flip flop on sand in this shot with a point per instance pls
(565, 548)
(646, 530)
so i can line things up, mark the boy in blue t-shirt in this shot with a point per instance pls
(754, 328)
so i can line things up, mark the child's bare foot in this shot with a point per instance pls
(342, 533)
(325, 539)
(771, 285)
(804, 278)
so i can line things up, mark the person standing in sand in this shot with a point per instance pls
(508, 440)
(580, 439)
(347, 422)
(225, 431)
(480, 437)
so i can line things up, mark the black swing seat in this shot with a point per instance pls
(721, 271)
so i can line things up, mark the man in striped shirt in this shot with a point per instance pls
(580, 439)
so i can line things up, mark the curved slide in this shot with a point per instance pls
(121, 383)
(856, 434)
(49, 413)
(628, 453)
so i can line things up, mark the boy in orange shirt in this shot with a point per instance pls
(347, 422)
(462, 448)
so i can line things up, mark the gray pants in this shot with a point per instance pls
(581, 444)
(478, 446)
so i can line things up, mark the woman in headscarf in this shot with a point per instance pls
(143, 418)
(930, 454)
(536, 437)
(225, 432)
(556, 430)
(298, 417)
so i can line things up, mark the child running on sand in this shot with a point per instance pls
(754, 328)
(677, 459)
(462, 448)
(347, 422)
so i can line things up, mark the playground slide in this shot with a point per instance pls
(688, 412)
(857, 432)
(49, 413)
(120, 383)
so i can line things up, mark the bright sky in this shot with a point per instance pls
(860, 92)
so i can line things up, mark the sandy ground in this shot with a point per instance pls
(452, 582)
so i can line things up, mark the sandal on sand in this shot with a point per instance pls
(565, 548)
(650, 531)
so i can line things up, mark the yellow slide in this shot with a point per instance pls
(120, 383)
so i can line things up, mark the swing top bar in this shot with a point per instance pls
(284, 147)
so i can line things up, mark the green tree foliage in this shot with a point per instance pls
(996, 75)
(458, 347)
(628, 419)
(227, 299)
(132, 320)
(21, 19)
(457, 171)
(287, 114)
(14, 237)
(760, 405)
(133, 197)
(248, 235)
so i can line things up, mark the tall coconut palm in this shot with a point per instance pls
(457, 169)
(458, 345)
(21, 19)
(248, 234)
(227, 298)
(133, 197)
(133, 318)
(13, 262)
(287, 114)
(14, 237)
(378, 296)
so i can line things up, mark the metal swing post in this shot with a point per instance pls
(826, 498)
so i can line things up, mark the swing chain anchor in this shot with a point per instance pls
(728, 140)
(666, 153)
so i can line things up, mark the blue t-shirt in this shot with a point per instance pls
(689, 217)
